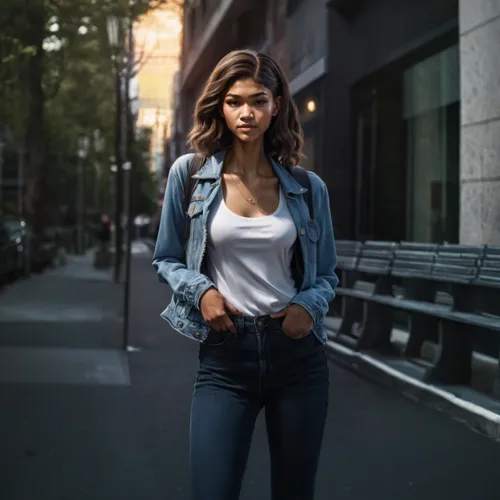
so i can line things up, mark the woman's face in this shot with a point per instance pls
(248, 109)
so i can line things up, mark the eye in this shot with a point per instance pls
(232, 103)
(261, 102)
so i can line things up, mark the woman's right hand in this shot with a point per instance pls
(214, 309)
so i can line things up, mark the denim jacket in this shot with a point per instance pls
(183, 267)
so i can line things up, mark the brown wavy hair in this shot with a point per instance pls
(283, 140)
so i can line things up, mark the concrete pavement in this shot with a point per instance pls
(71, 441)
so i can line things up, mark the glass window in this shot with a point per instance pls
(431, 115)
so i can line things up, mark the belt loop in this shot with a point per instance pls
(260, 323)
(241, 325)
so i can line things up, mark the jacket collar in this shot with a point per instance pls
(213, 167)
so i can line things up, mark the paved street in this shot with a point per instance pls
(103, 439)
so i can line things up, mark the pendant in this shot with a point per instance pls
(252, 201)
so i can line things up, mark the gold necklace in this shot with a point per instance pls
(253, 200)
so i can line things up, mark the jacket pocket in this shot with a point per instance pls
(313, 231)
(195, 208)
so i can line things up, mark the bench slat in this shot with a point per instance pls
(348, 247)
(489, 268)
(376, 257)
(347, 263)
(413, 260)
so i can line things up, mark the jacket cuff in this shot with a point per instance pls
(308, 305)
(196, 288)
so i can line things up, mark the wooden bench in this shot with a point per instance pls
(347, 255)
(448, 291)
(371, 278)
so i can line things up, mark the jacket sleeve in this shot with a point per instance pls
(169, 255)
(316, 299)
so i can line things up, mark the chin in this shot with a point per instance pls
(245, 138)
(253, 136)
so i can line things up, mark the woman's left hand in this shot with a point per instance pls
(298, 322)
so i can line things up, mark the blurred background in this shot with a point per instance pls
(86, 93)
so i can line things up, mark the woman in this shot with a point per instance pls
(260, 331)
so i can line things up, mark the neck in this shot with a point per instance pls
(247, 160)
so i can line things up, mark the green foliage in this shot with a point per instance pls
(144, 179)
(77, 87)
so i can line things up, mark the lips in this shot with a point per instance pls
(247, 126)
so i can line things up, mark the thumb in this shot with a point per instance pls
(280, 314)
(232, 309)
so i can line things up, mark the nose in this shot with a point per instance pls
(246, 111)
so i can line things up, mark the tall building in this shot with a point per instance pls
(413, 111)
(393, 105)
(398, 100)
(158, 41)
(306, 39)
(212, 28)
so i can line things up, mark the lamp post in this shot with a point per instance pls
(5, 138)
(114, 28)
(98, 148)
(2, 144)
(83, 146)
(123, 151)
(126, 167)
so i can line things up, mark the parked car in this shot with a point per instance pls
(34, 253)
(12, 252)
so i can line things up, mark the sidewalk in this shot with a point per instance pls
(102, 441)
(61, 320)
(470, 404)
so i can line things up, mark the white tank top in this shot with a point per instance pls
(249, 259)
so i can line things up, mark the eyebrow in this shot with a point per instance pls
(258, 94)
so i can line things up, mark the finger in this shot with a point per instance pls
(289, 333)
(232, 309)
(280, 314)
(228, 324)
(294, 335)
(286, 325)
(215, 325)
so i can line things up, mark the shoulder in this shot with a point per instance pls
(180, 167)
(317, 183)
(320, 195)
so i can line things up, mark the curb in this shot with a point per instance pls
(476, 417)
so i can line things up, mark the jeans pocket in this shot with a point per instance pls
(292, 339)
(216, 339)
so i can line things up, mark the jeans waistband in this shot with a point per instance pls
(255, 324)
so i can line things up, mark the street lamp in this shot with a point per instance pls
(2, 144)
(98, 149)
(114, 28)
(83, 147)
(5, 138)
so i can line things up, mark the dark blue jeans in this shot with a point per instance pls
(239, 374)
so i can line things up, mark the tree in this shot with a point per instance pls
(56, 81)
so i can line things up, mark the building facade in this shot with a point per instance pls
(392, 158)
(158, 36)
(212, 28)
(479, 41)
(397, 98)
(413, 115)
(307, 50)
